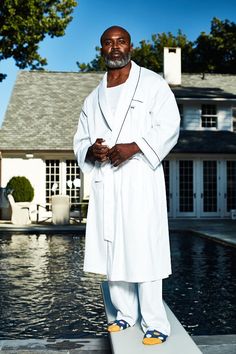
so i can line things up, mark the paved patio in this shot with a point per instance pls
(221, 230)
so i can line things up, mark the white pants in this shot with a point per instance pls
(127, 297)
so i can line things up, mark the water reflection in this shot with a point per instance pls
(45, 293)
(202, 289)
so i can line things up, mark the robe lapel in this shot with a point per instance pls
(125, 100)
(103, 104)
(116, 123)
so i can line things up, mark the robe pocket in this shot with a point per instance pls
(97, 182)
(136, 104)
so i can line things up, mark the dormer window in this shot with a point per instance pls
(209, 116)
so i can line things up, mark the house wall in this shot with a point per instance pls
(224, 117)
(34, 169)
(192, 115)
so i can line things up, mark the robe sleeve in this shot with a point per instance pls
(82, 142)
(157, 142)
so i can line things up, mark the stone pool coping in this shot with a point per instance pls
(215, 344)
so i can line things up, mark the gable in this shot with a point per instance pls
(44, 110)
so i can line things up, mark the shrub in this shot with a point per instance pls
(21, 188)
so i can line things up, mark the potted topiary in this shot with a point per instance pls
(21, 188)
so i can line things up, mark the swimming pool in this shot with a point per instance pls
(202, 290)
(45, 294)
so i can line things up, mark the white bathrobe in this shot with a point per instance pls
(127, 229)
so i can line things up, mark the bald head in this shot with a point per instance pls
(106, 34)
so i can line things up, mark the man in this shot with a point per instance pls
(128, 124)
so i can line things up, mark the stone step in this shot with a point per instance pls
(129, 341)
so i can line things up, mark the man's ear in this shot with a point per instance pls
(131, 47)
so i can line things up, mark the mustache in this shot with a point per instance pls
(115, 52)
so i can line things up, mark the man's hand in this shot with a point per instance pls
(122, 152)
(97, 151)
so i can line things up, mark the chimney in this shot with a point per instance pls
(172, 65)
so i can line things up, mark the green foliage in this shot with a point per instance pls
(214, 52)
(150, 55)
(96, 64)
(24, 24)
(146, 56)
(22, 189)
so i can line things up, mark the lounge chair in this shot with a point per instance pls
(20, 211)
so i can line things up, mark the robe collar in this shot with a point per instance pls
(115, 123)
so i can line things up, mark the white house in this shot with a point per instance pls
(37, 135)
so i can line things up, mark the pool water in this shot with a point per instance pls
(202, 290)
(44, 292)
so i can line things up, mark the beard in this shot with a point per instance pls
(117, 63)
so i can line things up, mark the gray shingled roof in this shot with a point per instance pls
(44, 110)
(212, 86)
(206, 142)
(44, 107)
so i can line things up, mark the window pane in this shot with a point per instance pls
(186, 192)
(209, 109)
(73, 184)
(209, 186)
(209, 116)
(209, 122)
(52, 179)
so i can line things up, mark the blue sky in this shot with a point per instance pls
(141, 18)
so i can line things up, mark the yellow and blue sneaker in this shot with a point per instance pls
(117, 325)
(154, 337)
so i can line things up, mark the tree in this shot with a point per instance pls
(145, 55)
(162, 40)
(216, 52)
(97, 64)
(24, 24)
(213, 52)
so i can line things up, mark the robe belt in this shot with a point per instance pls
(108, 202)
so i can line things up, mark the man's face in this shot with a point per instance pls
(116, 48)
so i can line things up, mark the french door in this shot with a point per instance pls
(230, 192)
(63, 177)
(186, 192)
(200, 188)
(210, 193)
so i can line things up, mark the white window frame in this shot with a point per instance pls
(211, 116)
(63, 180)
